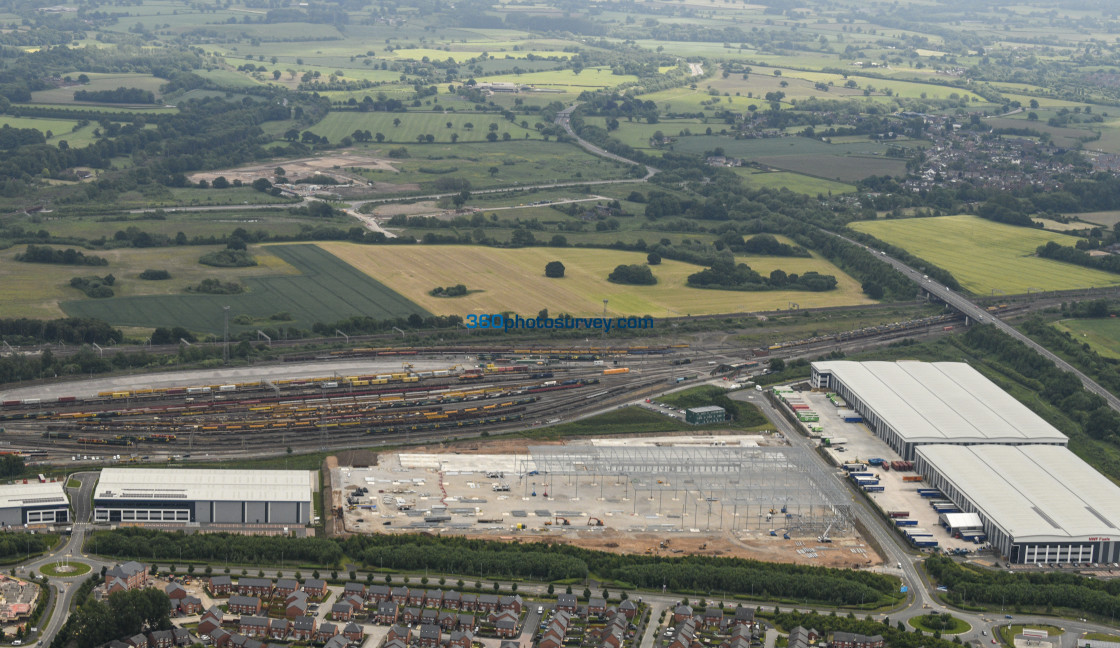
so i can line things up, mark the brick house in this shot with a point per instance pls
(132, 573)
(452, 599)
(448, 620)
(190, 605)
(254, 587)
(410, 615)
(244, 605)
(629, 608)
(315, 587)
(400, 595)
(567, 603)
(221, 637)
(337, 641)
(513, 603)
(387, 613)
(399, 633)
(681, 613)
(279, 628)
(220, 585)
(800, 637)
(341, 611)
(596, 606)
(286, 586)
(416, 598)
(430, 636)
(713, 617)
(505, 624)
(325, 632)
(252, 626)
(461, 639)
(379, 593)
(353, 632)
(743, 616)
(851, 640)
(354, 588)
(175, 592)
(161, 639)
(296, 605)
(182, 636)
(468, 602)
(303, 628)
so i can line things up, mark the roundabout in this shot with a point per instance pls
(64, 570)
(943, 623)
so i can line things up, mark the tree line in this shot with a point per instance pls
(121, 95)
(69, 256)
(1034, 590)
(491, 559)
(1067, 254)
(71, 330)
(727, 275)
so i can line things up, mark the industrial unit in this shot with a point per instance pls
(203, 496)
(38, 503)
(1038, 503)
(706, 414)
(909, 404)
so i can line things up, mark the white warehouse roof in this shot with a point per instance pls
(1034, 493)
(204, 485)
(963, 520)
(34, 494)
(938, 402)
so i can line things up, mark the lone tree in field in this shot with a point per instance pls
(554, 269)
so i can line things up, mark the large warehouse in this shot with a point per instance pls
(35, 503)
(1038, 503)
(909, 404)
(204, 496)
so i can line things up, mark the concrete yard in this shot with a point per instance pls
(862, 445)
(510, 495)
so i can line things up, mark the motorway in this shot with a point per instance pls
(981, 316)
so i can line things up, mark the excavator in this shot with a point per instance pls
(785, 533)
(594, 521)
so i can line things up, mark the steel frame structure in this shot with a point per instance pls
(710, 487)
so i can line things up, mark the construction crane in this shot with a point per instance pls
(594, 521)
(824, 536)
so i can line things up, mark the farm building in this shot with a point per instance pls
(707, 414)
(33, 504)
(204, 496)
(1037, 503)
(909, 404)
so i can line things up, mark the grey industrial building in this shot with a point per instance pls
(204, 496)
(36, 503)
(1038, 503)
(909, 404)
(989, 454)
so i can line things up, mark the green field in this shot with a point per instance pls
(845, 162)
(792, 181)
(276, 222)
(987, 257)
(69, 570)
(516, 162)
(97, 81)
(325, 289)
(337, 125)
(1101, 334)
(513, 280)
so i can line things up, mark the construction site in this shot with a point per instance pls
(750, 496)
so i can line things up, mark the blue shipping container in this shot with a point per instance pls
(873, 489)
(853, 419)
(906, 523)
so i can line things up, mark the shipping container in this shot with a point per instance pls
(898, 514)
(853, 419)
(912, 478)
(873, 489)
(906, 523)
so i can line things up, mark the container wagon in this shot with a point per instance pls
(619, 370)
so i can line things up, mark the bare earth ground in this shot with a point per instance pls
(300, 168)
(424, 207)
